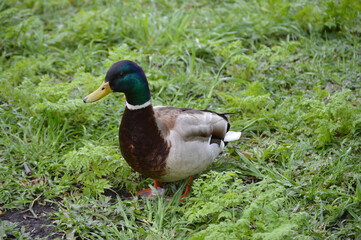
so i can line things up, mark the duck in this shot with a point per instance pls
(164, 143)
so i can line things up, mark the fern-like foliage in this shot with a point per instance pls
(234, 210)
(332, 116)
(97, 168)
(324, 117)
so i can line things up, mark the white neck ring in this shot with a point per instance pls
(137, 107)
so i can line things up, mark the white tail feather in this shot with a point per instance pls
(232, 136)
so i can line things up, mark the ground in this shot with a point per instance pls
(38, 224)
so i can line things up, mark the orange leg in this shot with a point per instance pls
(150, 192)
(187, 189)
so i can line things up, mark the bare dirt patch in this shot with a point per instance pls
(37, 224)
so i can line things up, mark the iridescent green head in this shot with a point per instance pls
(127, 77)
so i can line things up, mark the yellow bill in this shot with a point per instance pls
(101, 92)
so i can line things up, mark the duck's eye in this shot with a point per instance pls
(121, 74)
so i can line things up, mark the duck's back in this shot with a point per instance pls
(195, 136)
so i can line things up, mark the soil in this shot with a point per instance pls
(42, 226)
(39, 226)
(113, 193)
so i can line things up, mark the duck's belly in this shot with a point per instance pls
(188, 158)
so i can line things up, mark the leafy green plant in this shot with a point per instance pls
(234, 210)
(8, 231)
(96, 167)
(335, 116)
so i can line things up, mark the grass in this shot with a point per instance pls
(290, 69)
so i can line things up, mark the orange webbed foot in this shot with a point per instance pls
(149, 192)
(188, 188)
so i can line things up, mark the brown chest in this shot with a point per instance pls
(141, 143)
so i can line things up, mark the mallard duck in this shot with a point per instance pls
(164, 143)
